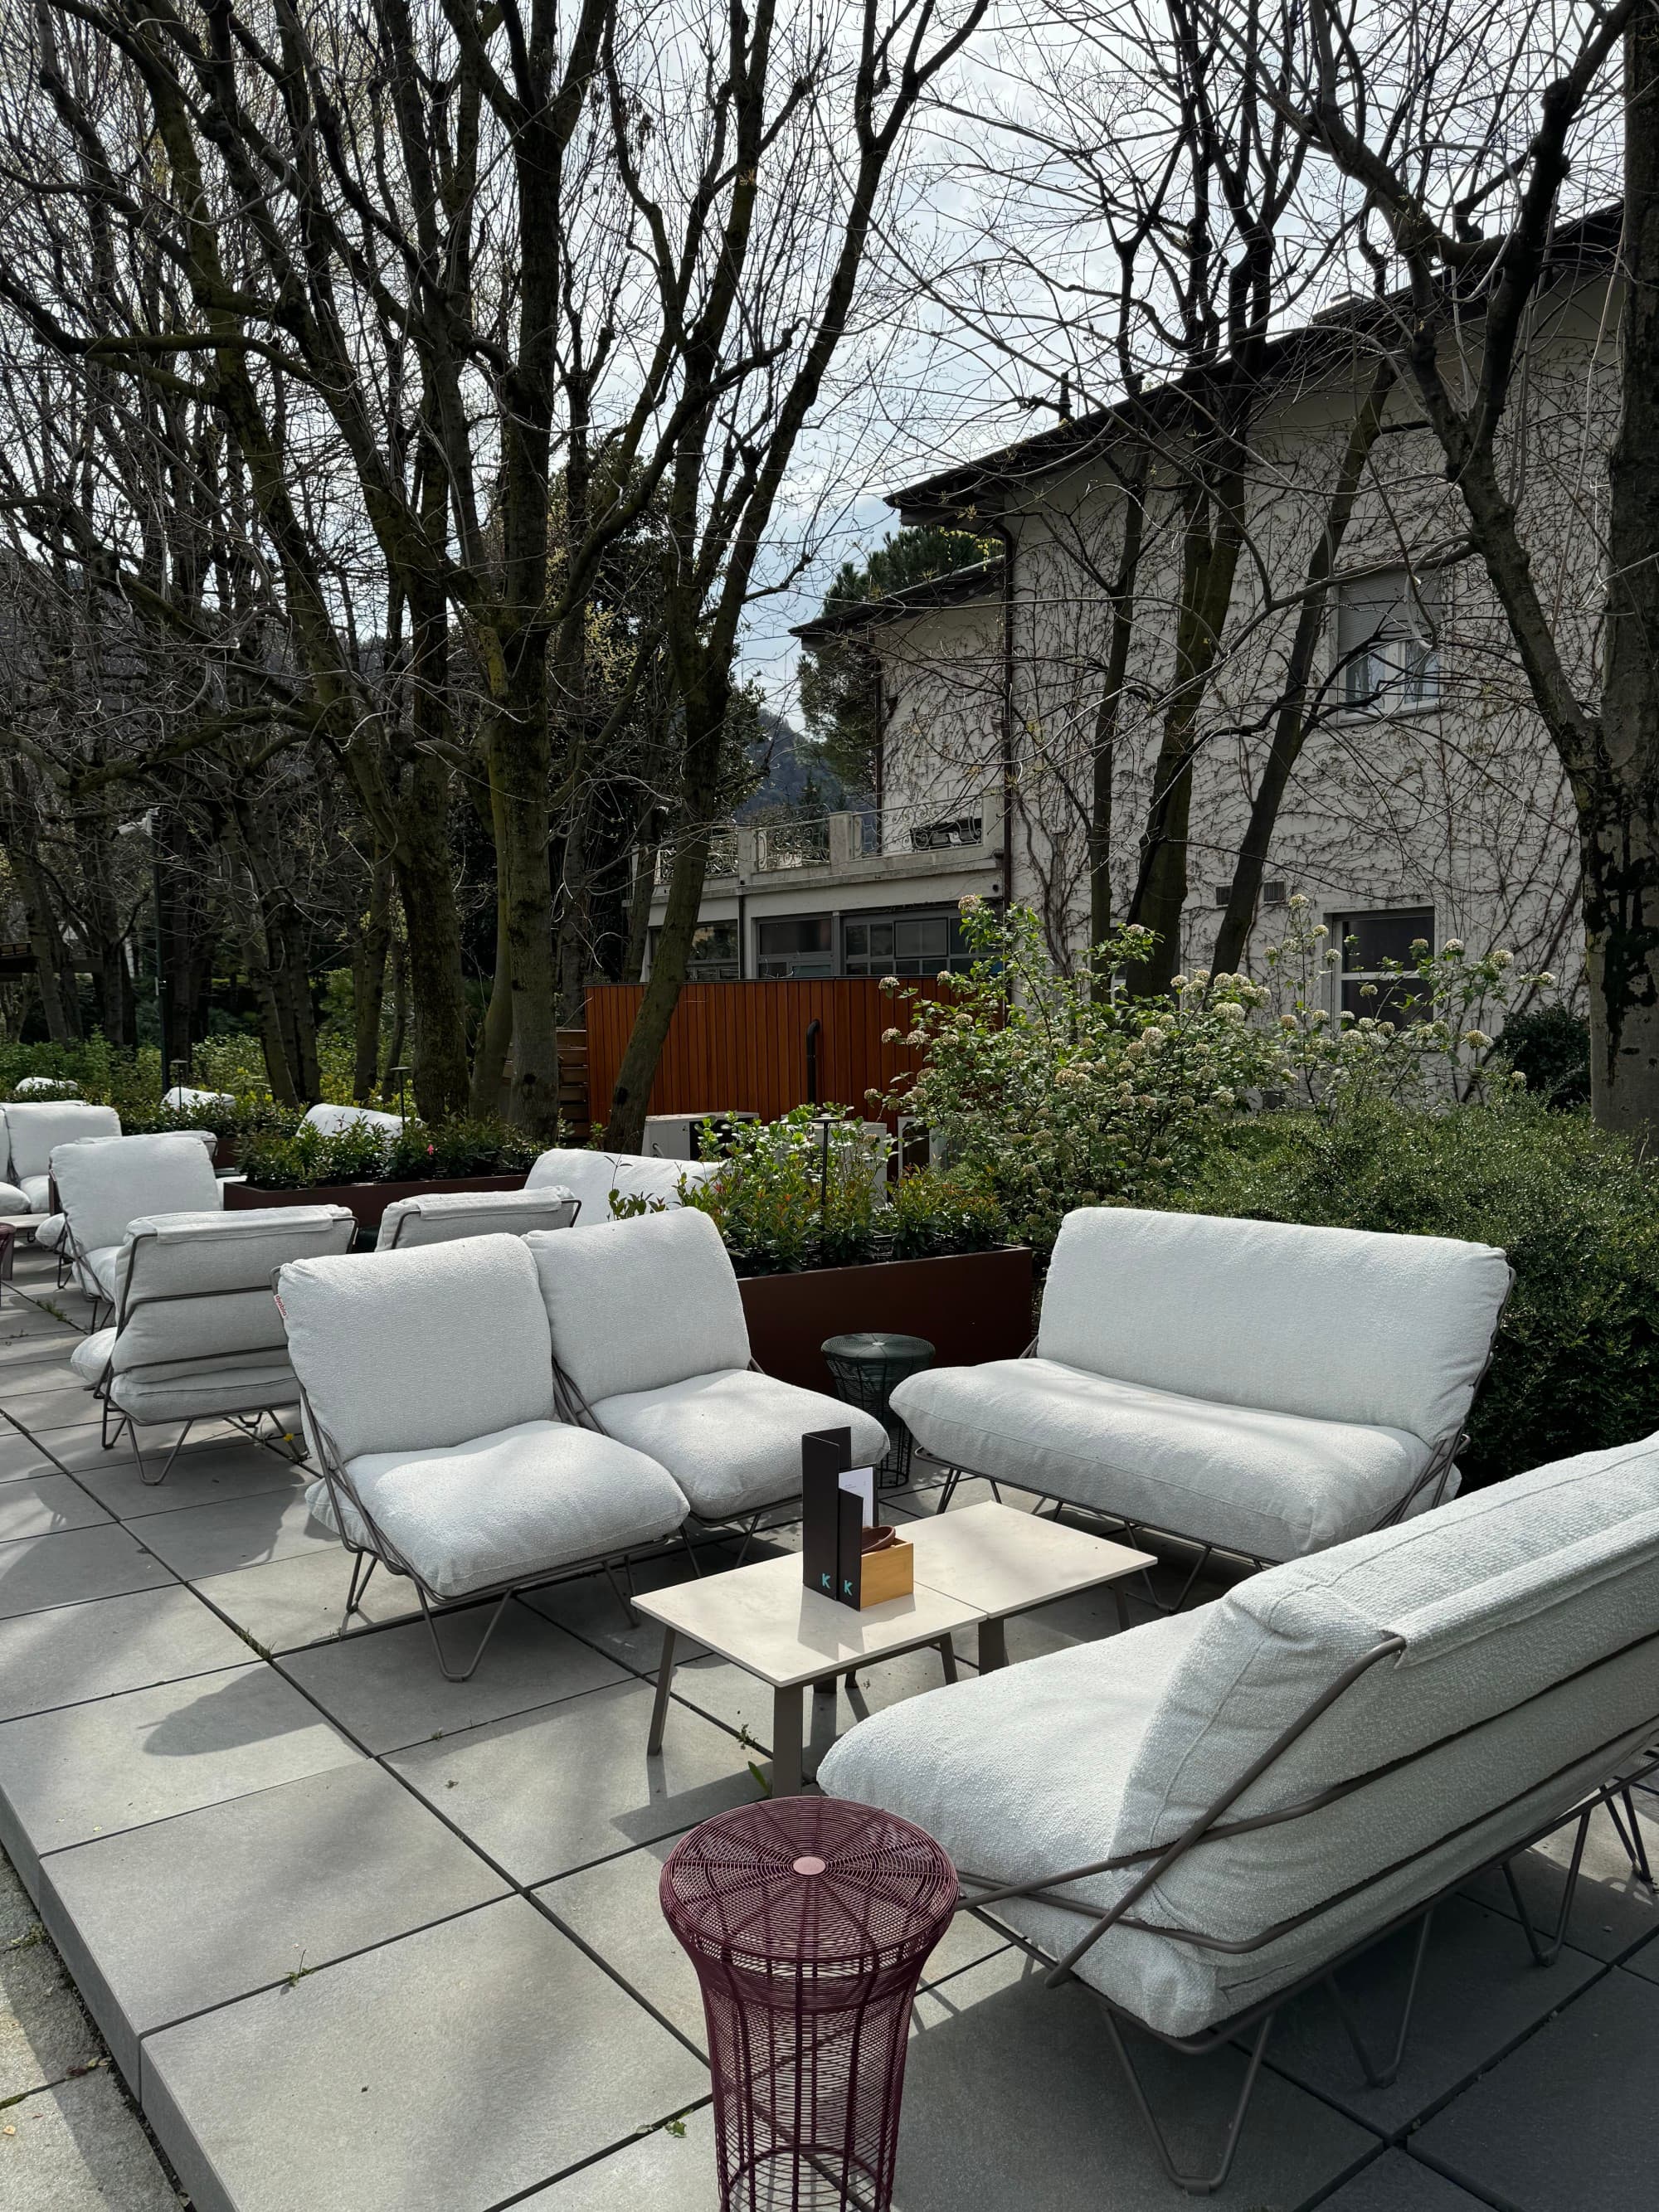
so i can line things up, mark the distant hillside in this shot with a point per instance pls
(794, 780)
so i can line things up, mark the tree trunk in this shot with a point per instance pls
(45, 942)
(1291, 724)
(1109, 716)
(1619, 804)
(427, 891)
(368, 954)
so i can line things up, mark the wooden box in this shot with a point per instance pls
(890, 1572)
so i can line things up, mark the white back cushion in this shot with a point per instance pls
(1337, 1324)
(593, 1176)
(401, 1351)
(31, 1131)
(56, 1084)
(436, 1218)
(192, 1286)
(636, 1305)
(1504, 1597)
(106, 1182)
(331, 1120)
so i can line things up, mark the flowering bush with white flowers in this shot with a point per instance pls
(1063, 1091)
(1060, 1094)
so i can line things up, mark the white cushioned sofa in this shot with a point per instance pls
(1260, 1388)
(653, 1347)
(198, 1335)
(427, 1390)
(591, 1176)
(437, 1217)
(1257, 1787)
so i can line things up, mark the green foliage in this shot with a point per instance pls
(1550, 1045)
(938, 1211)
(1576, 1365)
(788, 1200)
(421, 1152)
(838, 674)
(1059, 1090)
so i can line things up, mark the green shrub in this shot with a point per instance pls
(1577, 1362)
(421, 1152)
(936, 1213)
(787, 1201)
(1550, 1045)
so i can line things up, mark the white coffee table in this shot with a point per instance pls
(973, 1570)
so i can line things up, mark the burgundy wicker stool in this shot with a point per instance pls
(808, 1920)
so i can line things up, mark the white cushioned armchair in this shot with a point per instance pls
(436, 1217)
(1202, 1814)
(104, 1184)
(198, 1335)
(427, 1390)
(591, 1176)
(1260, 1389)
(653, 1347)
(30, 1131)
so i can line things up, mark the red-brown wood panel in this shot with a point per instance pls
(741, 1047)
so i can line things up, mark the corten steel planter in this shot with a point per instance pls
(970, 1306)
(367, 1200)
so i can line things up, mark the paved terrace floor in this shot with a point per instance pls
(336, 1936)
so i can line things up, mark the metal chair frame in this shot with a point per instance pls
(1442, 1454)
(1210, 1825)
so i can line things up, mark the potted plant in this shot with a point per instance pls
(366, 1168)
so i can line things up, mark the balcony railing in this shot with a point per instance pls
(842, 842)
(780, 845)
(927, 828)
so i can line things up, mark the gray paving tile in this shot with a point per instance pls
(1612, 1912)
(613, 1908)
(20, 1352)
(77, 1449)
(79, 2149)
(1645, 1960)
(69, 1568)
(665, 2172)
(551, 1790)
(1007, 2080)
(45, 1368)
(442, 2073)
(204, 1473)
(45, 1411)
(1396, 2183)
(72, 1652)
(388, 1692)
(298, 1601)
(166, 1920)
(236, 1533)
(1569, 2120)
(44, 2034)
(587, 1605)
(90, 1770)
(44, 1505)
(1480, 1993)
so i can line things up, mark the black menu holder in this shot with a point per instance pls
(825, 1454)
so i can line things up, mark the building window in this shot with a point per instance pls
(1370, 942)
(714, 952)
(1388, 641)
(794, 944)
(903, 945)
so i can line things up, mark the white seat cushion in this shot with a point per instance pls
(91, 1356)
(36, 1189)
(731, 1439)
(259, 1383)
(510, 1507)
(49, 1231)
(1273, 1486)
(14, 1199)
(99, 1269)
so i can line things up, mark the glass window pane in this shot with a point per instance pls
(1382, 936)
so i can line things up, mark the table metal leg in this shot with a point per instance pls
(788, 1708)
(665, 1683)
(993, 1645)
(947, 1652)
